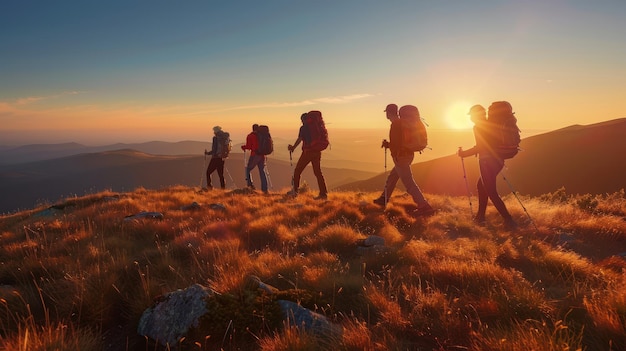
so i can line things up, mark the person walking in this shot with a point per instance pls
(217, 157)
(309, 155)
(255, 160)
(402, 159)
(490, 165)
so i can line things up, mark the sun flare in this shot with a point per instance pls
(456, 115)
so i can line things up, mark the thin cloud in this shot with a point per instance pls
(323, 100)
(33, 99)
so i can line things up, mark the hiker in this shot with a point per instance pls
(490, 165)
(218, 156)
(312, 147)
(255, 160)
(402, 159)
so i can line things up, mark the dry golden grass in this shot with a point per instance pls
(79, 276)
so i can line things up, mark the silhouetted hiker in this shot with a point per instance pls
(402, 159)
(489, 164)
(311, 152)
(255, 159)
(219, 152)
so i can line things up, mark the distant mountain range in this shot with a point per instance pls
(582, 159)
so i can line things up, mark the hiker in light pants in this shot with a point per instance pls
(255, 160)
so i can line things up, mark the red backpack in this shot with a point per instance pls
(317, 130)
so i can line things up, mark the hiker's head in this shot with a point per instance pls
(303, 117)
(409, 111)
(255, 127)
(477, 113)
(392, 111)
(217, 129)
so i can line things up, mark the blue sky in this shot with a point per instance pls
(170, 70)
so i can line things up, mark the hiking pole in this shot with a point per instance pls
(231, 177)
(267, 174)
(469, 194)
(203, 171)
(385, 177)
(291, 166)
(520, 201)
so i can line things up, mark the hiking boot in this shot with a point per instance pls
(479, 220)
(251, 186)
(380, 202)
(292, 193)
(509, 224)
(424, 211)
(321, 197)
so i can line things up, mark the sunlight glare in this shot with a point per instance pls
(456, 115)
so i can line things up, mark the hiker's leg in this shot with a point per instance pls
(489, 171)
(220, 172)
(316, 161)
(482, 199)
(403, 167)
(249, 168)
(212, 167)
(302, 162)
(261, 165)
(390, 184)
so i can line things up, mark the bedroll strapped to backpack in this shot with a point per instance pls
(414, 135)
(503, 129)
(317, 131)
(224, 145)
(264, 139)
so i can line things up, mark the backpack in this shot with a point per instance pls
(317, 131)
(503, 130)
(224, 145)
(265, 142)
(414, 135)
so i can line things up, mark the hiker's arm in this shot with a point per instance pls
(469, 152)
(295, 145)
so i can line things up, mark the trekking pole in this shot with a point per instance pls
(469, 194)
(520, 201)
(203, 170)
(245, 167)
(267, 174)
(385, 177)
(231, 177)
(291, 167)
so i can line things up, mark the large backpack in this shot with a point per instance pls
(503, 130)
(414, 135)
(224, 145)
(317, 131)
(265, 142)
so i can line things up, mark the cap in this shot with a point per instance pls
(391, 108)
(476, 109)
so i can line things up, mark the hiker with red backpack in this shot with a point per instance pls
(491, 151)
(406, 136)
(314, 138)
(256, 159)
(220, 149)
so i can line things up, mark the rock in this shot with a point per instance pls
(372, 240)
(191, 207)
(308, 320)
(174, 315)
(253, 283)
(218, 207)
(144, 214)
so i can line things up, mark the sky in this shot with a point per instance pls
(97, 72)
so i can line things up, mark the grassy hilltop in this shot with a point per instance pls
(78, 276)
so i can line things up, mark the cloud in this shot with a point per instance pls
(33, 99)
(323, 100)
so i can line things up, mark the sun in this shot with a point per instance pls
(456, 115)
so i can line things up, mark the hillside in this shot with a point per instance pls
(81, 274)
(24, 185)
(582, 159)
